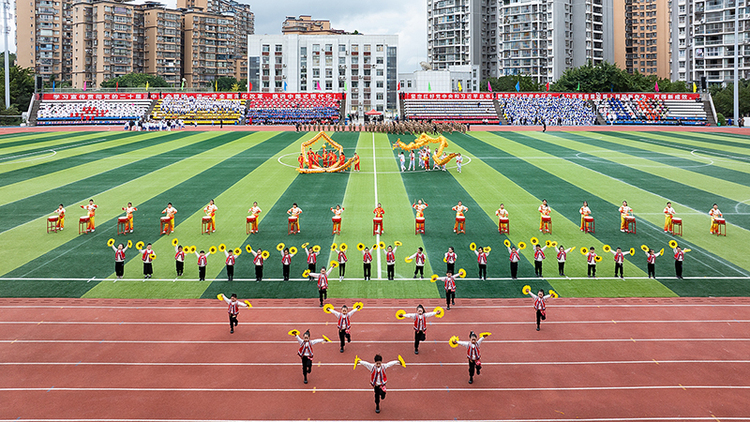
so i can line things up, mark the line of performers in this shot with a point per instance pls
(295, 212)
(377, 368)
(424, 161)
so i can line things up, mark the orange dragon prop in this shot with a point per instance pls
(312, 167)
(423, 140)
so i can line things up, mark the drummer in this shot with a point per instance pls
(716, 216)
(585, 211)
(420, 206)
(337, 219)
(545, 219)
(669, 213)
(460, 218)
(294, 214)
(377, 221)
(625, 213)
(253, 219)
(502, 223)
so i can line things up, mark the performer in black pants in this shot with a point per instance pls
(367, 262)
(230, 263)
(202, 262)
(377, 377)
(450, 261)
(286, 262)
(343, 322)
(420, 325)
(234, 309)
(120, 259)
(679, 257)
(179, 260)
(482, 261)
(305, 350)
(514, 258)
(258, 261)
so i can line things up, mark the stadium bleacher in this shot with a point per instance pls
(290, 111)
(467, 111)
(553, 110)
(90, 112)
(651, 111)
(200, 110)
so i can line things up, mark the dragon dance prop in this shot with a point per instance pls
(424, 140)
(315, 168)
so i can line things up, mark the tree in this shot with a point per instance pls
(604, 77)
(21, 86)
(508, 84)
(225, 83)
(136, 80)
(723, 98)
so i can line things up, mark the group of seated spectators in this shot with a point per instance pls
(90, 112)
(278, 111)
(201, 110)
(554, 111)
(468, 111)
(651, 111)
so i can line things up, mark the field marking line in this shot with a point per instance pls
(692, 149)
(53, 151)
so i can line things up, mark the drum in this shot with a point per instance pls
(460, 219)
(504, 221)
(420, 220)
(676, 220)
(293, 219)
(378, 219)
(336, 219)
(546, 218)
(629, 218)
(588, 219)
(165, 219)
(84, 219)
(251, 218)
(53, 218)
(206, 218)
(718, 220)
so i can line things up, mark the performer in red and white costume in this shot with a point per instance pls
(538, 259)
(419, 206)
(540, 306)
(286, 262)
(170, 211)
(502, 214)
(514, 258)
(544, 211)
(255, 211)
(669, 213)
(473, 353)
(619, 260)
(231, 258)
(91, 210)
(344, 324)
(147, 256)
(322, 278)
(482, 262)
(337, 219)
(294, 214)
(202, 262)
(120, 259)
(233, 310)
(366, 263)
(179, 259)
(585, 211)
(129, 214)
(306, 351)
(715, 213)
(450, 260)
(210, 211)
(342, 258)
(258, 260)
(562, 256)
(449, 283)
(460, 209)
(651, 263)
(419, 260)
(420, 325)
(312, 259)
(390, 261)
(591, 260)
(60, 211)
(378, 378)
(377, 221)
(679, 257)
(625, 212)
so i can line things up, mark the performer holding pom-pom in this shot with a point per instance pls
(472, 352)
(120, 259)
(420, 323)
(234, 309)
(306, 350)
(343, 324)
(377, 375)
(539, 303)
(322, 277)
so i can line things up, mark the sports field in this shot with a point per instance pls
(693, 170)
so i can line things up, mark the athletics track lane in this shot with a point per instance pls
(119, 359)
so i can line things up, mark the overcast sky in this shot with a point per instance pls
(405, 18)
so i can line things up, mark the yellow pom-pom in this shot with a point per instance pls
(534, 241)
(672, 244)
(316, 248)
(294, 333)
(175, 242)
(554, 243)
(333, 264)
(374, 247)
(632, 251)
(472, 246)
(548, 243)
(644, 248)
(506, 242)
(521, 246)
(327, 308)
(265, 254)
(220, 296)
(462, 273)
(526, 289)
(439, 312)
(445, 259)
(381, 245)
(356, 361)
(360, 246)
(306, 273)
(193, 249)
(687, 250)
(485, 334)
(487, 249)
(212, 250)
(553, 294)
(293, 250)
(222, 247)
(343, 247)
(249, 248)
(326, 339)
(237, 251)
(249, 305)
(139, 245)
(606, 248)
(334, 246)
(280, 247)
(400, 314)
(358, 305)
(401, 360)
(434, 278)
(408, 260)
(598, 258)
(397, 243)
(453, 341)
(111, 242)
(152, 256)
(661, 252)
(584, 250)
(130, 243)
(305, 245)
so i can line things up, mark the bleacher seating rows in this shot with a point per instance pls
(270, 111)
(201, 111)
(460, 111)
(639, 111)
(91, 112)
(554, 111)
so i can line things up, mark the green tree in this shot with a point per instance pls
(723, 98)
(21, 86)
(225, 83)
(136, 80)
(604, 77)
(508, 84)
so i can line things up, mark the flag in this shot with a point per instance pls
(84, 85)
(346, 86)
(317, 85)
(518, 86)
(117, 86)
(249, 86)
(146, 85)
(611, 87)
(489, 87)
(182, 85)
(216, 85)
(656, 86)
(53, 86)
(547, 86)
(695, 88)
(284, 86)
(459, 86)
(429, 87)
(579, 87)
(398, 86)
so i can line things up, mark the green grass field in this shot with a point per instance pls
(691, 169)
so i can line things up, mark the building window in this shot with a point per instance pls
(355, 48)
(316, 60)
(329, 48)
(342, 61)
(378, 72)
(379, 48)
(315, 48)
(379, 84)
(329, 73)
(303, 51)
(367, 48)
(278, 59)
(329, 85)
(316, 73)
(266, 48)
(379, 60)
(379, 96)
(342, 48)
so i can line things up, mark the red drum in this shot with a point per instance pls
(504, 221)
(588, 219)
(53, 218)
(420, 220)
(336, 219)
(718, 220)
(377, 219)
(122, 219)
(460, 218)
(251, 218)
(206, 218)
(292, 219)
(546, 218)
(164, 219)
(676, 220)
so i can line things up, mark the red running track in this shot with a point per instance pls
(594, 359)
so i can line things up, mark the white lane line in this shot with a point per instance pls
(604, 419)
(375, 176)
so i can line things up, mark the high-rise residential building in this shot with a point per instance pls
(43, 37)
(208, 48)
(642, 36)
(162, 43)
(463, 32)
(305, 24)
(365, 67)
(243, 23)
(702, 44)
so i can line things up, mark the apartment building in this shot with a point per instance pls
(208, 49)
(305, 24)
(365, 67)
(162, 35)
(43, 37)
(642, 36)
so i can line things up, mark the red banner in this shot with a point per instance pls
(452, 96)
(579, 95)
(54, 96)
(216, 95)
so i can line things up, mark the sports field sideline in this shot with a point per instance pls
(693, 170)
